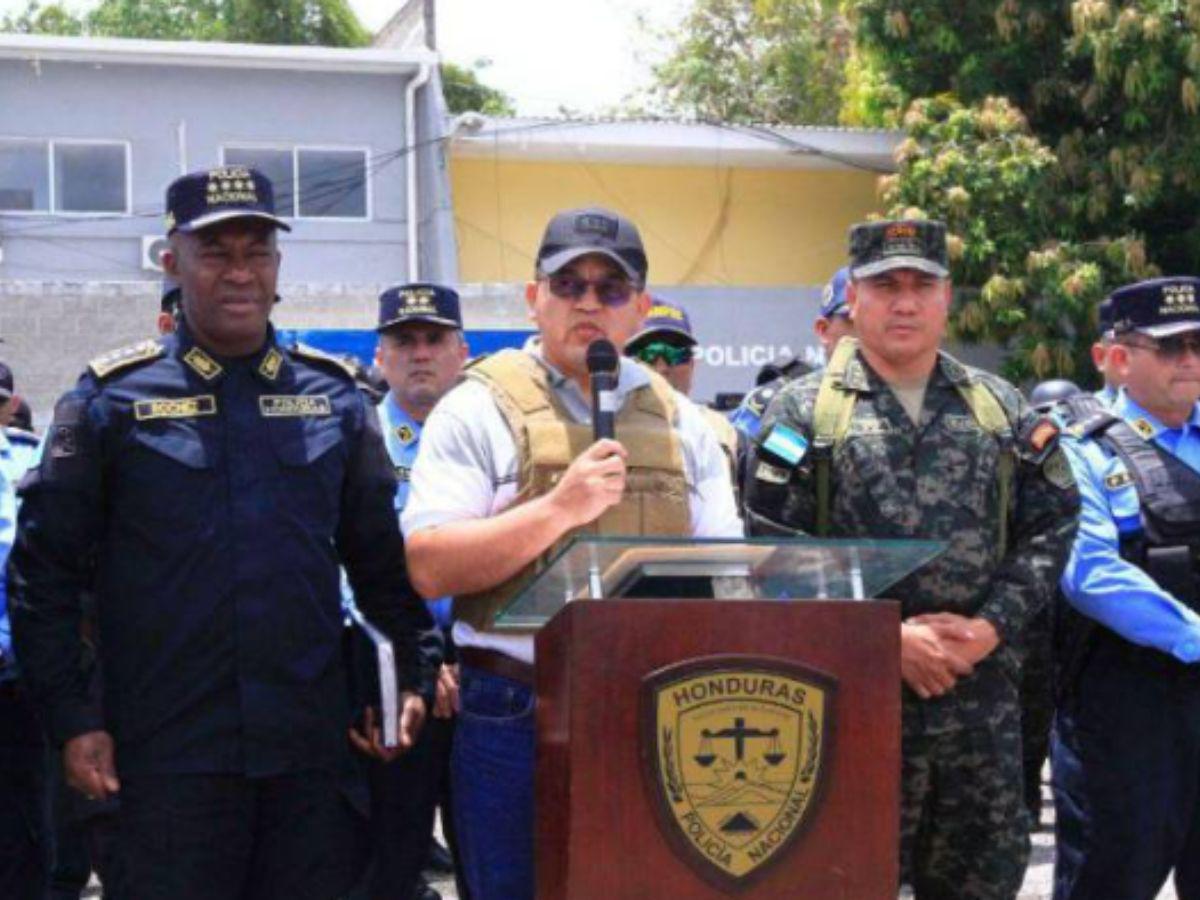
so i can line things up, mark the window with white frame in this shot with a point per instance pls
(64, 176)
(311, 182)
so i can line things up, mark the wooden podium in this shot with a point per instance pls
(627, 808)
(742, 746)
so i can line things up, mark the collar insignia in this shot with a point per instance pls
(202, 364)
(271, 364)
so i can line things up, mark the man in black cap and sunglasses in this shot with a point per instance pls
(207, 486)
(508, 472)
(666, 344)
(1125, 751)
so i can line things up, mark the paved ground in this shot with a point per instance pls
(1038, 880)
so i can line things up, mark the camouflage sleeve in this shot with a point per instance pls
(779, 490)
(1045, 514)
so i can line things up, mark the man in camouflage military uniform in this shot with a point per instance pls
(898, 440)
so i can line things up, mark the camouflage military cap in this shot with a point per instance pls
(878, 247)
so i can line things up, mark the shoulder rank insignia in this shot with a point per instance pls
(312, 354)
(785, 445)
(116, 360)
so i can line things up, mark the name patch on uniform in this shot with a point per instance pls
(277, 405)
(175, 407)
(786, 444)
(870, 427)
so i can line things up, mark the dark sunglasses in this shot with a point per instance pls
(609, 291)
(1170, 348)
(669, 353)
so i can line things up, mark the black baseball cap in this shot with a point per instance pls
(580, 232)
(1159, 307)
(878, 247)
(201, 199)
(419, 302)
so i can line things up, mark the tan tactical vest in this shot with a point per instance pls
(547, 440)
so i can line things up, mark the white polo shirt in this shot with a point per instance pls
(467, 469)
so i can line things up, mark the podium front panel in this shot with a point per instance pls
(716, 749)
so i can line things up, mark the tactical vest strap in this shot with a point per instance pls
(991, 418)
(834, 410)
(518, 375)
(832, 413)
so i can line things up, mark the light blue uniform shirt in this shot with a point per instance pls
(1096, 581)
(16, 456)
(402, 436)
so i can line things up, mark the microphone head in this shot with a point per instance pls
(602, 356)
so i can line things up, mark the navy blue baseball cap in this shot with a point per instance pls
(1159, 307)
(833, 298)
(435, 304)
(1104, 316)
(200, 199)
(664, 320)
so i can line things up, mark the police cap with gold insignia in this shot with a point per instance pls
(1159, 307)
(1104, 316)
(878, 247)
(422, 302)
(201, 199)
(575, 233)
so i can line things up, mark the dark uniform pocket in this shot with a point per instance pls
(312, 455)
(168, 478)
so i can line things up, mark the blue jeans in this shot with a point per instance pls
(491, 786)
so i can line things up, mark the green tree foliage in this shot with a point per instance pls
(1110, 89)
(778, 61)
(464, 92)
(328, 23)
(983, 172)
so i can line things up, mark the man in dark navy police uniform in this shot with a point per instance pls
(207, 485)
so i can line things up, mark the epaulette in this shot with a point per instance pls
(118, 360)
(1092, 425)
(312, 354)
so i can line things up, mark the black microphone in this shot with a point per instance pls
(603, 364)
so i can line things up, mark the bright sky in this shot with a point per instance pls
(586, 55)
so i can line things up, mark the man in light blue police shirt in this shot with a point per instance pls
(420, 354)
(25, 844)
(1126, 748)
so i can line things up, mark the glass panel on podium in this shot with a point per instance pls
(594, 568)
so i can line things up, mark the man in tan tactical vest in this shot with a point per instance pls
(508, 471)
(667, 345)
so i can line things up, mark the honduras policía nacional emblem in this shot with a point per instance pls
(733, 751)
